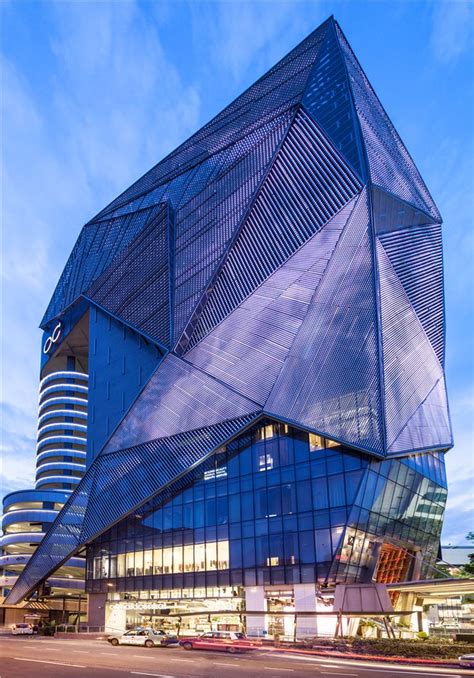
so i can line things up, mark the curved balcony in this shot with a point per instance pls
(57, 480)
(65, 374)
(78, 455)
(53, 414)
(28, 516)
(21, 538)
(24, 499)
(73, 440)
(61, 426)
(29, 513)
(63, 387)
(66, 400)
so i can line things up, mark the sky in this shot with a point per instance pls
(95, 93)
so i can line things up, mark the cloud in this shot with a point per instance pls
(101, 106)
(451, 29)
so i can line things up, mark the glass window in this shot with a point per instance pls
(337, 495)
(315, 442)
(323, 545)
(303, 496)
(121, 565)
(320, 493)
(211, 556)
(130, 564)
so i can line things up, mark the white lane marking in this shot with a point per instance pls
(112, 654)
(273, 668)
(341, 663)
(177, 659)
(335, 673)
(160, 675)
(237, 666)
(44, 661)
(81, 651)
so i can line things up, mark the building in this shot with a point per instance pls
(265, 328)
(60, 464)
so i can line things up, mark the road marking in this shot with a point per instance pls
(226, 664)
(177, 659)
(112, 654)
(44, 661)
(336, 673)
(160, 675)
(273, 668)
(81, 651)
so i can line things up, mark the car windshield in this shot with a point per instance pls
(240, 635)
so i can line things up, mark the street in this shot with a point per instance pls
(67, 658)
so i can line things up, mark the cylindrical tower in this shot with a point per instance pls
(60, 464)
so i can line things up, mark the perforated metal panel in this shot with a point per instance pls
(330, 380)
(274, 93)
(306, 186)
(178, 397)
(207, 223)
(98, 244)
(137, 286)
(115, 485)
(411, 368)
(391, 166)
(248, 349)
(416, 255)
(328, 100)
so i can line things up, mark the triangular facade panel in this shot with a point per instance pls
(428, 427)
(307, 185)
(330, 380)
(391, 166)
(137, 286)
(276, 92)
(206, 224)
(328, 100)
(411, 368)
(178, 397)
(416, 255)
(248, 349)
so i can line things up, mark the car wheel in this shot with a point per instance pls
(149, 643)
(114, 641)
(187, 646)
(232, 650)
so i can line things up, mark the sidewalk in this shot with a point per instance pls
(444, 663)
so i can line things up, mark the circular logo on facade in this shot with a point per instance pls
(53, 338)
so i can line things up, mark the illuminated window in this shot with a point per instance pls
(315, 442)
(332, 443)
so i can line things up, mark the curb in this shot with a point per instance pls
(370, 657)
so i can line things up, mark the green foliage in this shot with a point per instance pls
(435, 648)
(468, 570)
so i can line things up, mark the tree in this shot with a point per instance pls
(468, 569)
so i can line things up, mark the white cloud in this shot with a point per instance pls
(452, 29)
(106, 108)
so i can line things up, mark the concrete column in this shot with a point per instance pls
(96, 609)
(115, 618)
(305, 601)
(255, 601)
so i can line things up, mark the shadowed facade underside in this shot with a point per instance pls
(286, 263)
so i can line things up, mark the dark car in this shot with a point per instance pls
(225, 641)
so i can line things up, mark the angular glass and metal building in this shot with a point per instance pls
(267, 412)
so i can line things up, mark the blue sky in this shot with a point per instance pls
(95, 93)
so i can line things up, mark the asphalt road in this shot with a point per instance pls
(34, 657)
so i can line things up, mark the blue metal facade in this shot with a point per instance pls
(285, 264)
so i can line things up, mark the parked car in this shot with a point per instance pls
(21, 629)
(226, 641)
(146, 637)
(467, 660)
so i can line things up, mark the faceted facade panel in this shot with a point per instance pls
(281, 269)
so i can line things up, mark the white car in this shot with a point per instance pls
(21, 629)
(146, 637)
